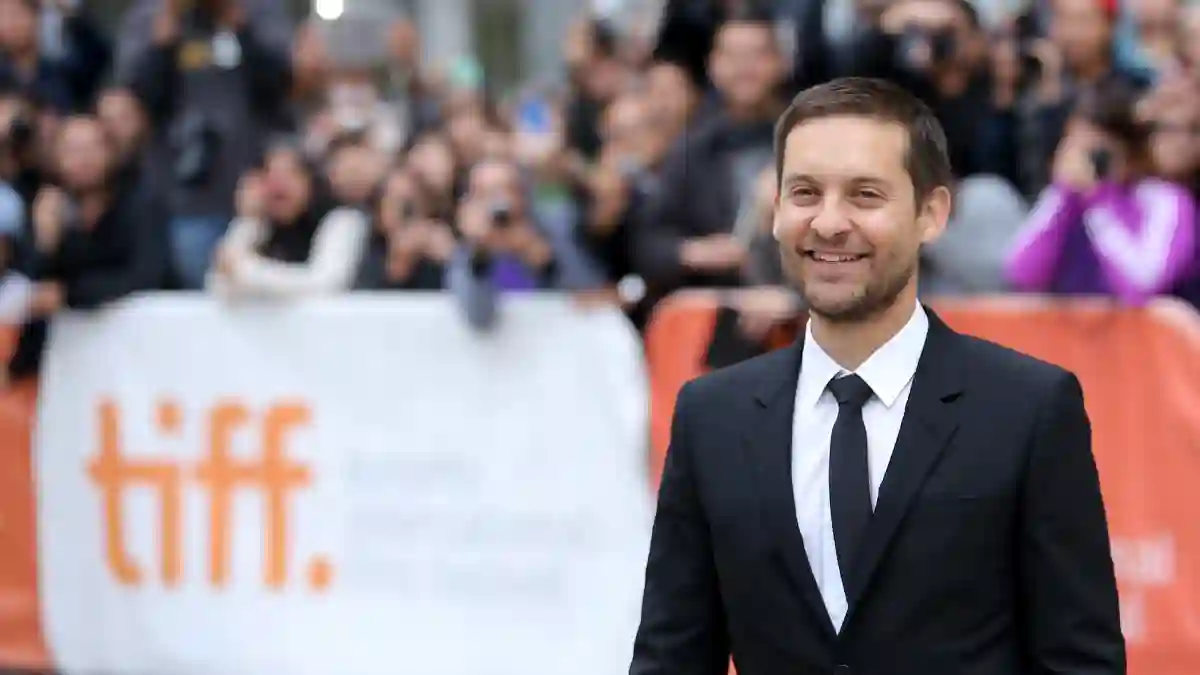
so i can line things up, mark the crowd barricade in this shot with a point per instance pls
(227, 486)
(1140, 372)
(338, 487)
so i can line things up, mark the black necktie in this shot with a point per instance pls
(849, 475)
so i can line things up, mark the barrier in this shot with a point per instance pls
(331, 488)
(1140, 371)
(213, 388)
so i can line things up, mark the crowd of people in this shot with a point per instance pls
(222, 146)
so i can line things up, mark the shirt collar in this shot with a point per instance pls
(887, 371)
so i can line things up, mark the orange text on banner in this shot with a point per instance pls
(219, 474)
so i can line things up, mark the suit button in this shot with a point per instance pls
(842, 670)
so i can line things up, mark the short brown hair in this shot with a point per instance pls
(928, 157)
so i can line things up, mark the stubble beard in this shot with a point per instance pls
(868, 302)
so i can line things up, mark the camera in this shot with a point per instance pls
(502, 215)
(941, 43)
(1101, 162)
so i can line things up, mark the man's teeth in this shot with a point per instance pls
(826, 257)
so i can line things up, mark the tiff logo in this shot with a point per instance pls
(270, 474)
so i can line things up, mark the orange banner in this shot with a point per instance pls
(1140, 371)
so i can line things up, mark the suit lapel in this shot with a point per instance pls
(770, 442)
(929, 421)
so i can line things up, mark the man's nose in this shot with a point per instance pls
(832, 220)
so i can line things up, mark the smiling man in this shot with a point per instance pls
(886, 496)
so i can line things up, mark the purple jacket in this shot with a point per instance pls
(1131, 243)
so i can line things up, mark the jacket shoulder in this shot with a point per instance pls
(738, 380)
(1008, 368)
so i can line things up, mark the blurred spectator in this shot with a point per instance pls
(288, 239)
(597, 74)
(503, 248)
(1173, 111)
(672, 97)
(432, 161)
(355, 168)
(937, 49)
(1106, 225)
(62, 85)
(1189, 35)
(96, 239)
(214, 75)
(686, 235)
(1146, 41)
(625, 178)
(409, 247)
(1077, 53)
(125, 120)
(21, 146)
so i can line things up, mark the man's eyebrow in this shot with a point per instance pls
(794, 178)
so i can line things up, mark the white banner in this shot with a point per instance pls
(353, 486)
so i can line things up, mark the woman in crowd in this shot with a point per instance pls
(1106, 225)
(409, 248)
(288, 239)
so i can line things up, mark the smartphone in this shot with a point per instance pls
(1101, 162)
(534, 116)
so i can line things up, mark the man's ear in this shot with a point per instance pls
(775, 215)
(935, 213)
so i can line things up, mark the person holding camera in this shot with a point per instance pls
(409, 249)
(1106, 225)
(937, 50)
(289, 239)
(97, 239)
(215, 77)
(503, 248)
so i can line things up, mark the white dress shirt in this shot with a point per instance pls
(889, 372)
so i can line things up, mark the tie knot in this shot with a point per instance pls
(850, 390)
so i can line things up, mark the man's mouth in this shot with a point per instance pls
(821, 256)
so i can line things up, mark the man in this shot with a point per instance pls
(887, 496)
(686, 234)
(97, 239)
(214, 77)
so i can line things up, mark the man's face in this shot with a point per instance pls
(670, 95)
(847, 220)
(1082, 31)
(495, 182)
(629, 133)
(122, 116)
(746, 65)
(83, 154)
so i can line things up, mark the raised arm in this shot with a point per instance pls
(1033, 259)
(1146, 241)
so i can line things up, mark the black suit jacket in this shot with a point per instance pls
(988, 553)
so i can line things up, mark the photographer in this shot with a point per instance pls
(1105, 225)
(408, 249)
(96, 239)
(503, 249)
(1077, 53)
(20, 151)
(685, 237)
(214, 76)
(937, 49)
(288, 240)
